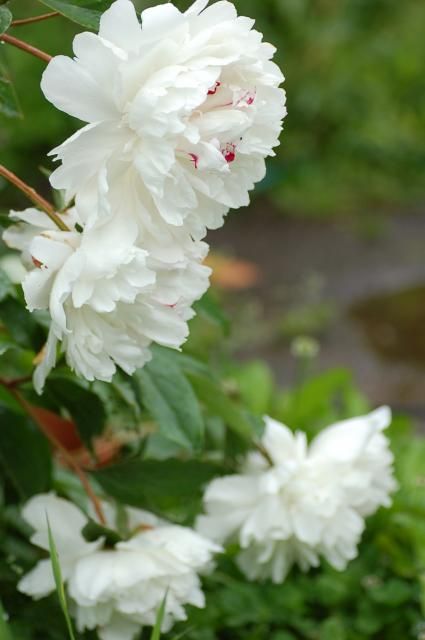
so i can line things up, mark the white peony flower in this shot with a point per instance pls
(119, 590)
(310, 502)
(188, 103)
(108, 298)
(66, 522)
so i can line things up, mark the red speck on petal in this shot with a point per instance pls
(36, 262)
(195, 159)
(213, 89)
(229, 153)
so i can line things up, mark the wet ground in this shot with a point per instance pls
(358, 288)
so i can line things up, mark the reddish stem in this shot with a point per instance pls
(34, 196)
(20, 44)
(44, 16)
(58, 446)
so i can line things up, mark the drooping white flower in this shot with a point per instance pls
(119, 590)
(310, 502)
(108, 298)
(188, 103)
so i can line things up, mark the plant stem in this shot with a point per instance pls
(20, 44)
(264, 452)
(34, 196)
(44, 16)
(65, 454)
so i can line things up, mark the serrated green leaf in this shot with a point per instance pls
(84, 406)
(5, 19)
(24, 454)
(84, 12)
(168, 396)
(60, 589)
(150, 483)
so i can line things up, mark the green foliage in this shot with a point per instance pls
(24, 454)
(84, 12)
(172, 486)
(60, 589)
(5, 632)
(156, 631)
(84, 406)
(162, 387)
(5, 19)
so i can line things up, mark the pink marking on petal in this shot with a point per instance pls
(37, 263)
(213, 89)
(195, 159)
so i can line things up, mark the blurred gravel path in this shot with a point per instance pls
(338, 266)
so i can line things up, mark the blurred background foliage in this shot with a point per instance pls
(355, 134)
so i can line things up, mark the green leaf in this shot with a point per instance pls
(5, 19)
(219, 404)
(84, 406)
(93, 531)
(24, 454)
(156, 631)
(168, 396)
(6, 344)
(59, 582)
(5, 632)
(142, 483)
(209, 308)
(255, 386)
(84, 12)
(6, 285)
(9, 105)
(20, 323)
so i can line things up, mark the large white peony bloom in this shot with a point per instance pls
(312, 500)
(108, 298)
(119, 590)
(188, 104)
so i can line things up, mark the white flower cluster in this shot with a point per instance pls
(117, 590)
(310, 502)
(182, 112)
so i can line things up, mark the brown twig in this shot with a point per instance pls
(29, 409)
(20, 44)
(34, 196)
(15, 382)
(44, 16)
(264, 452)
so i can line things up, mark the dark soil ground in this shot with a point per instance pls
(358, 288)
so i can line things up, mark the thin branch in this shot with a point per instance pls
(34, 196)
(44, 16)
(64, 453)
(20, 44)
(264, 452)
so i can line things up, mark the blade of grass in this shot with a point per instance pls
(59, 582)
(156, 631)
(5, 632)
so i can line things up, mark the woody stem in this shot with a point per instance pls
(44, 16)
(64, 453)
(34, 196)
(20, 44)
